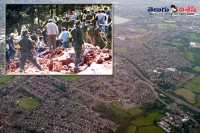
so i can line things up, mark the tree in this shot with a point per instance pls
(155, 122)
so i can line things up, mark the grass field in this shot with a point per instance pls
(197, 68)
(78, 100)
(189, 56)
(194, 85)
(130, 129)
(120, 49)
(141, 30)
(162, 26)
(187, 94)
(5, 78)
(69, 77)
(193, 37)
(176, 39)
(148, 119)
(118, 109)
(28, 103)
(139, 41)
(177, 44)
(135, 111)
(150, 129)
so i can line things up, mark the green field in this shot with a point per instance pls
(5, 78)
(118, 109)
(162, 26)
(197, 68)
(120, 49)
(150, 129)
(177, 44)
(187, 94)
(189, 56)
(28, 103)
(135, 111)
(78, 100)
(141, 30)
(130, 129)
(69, 77)
(193, 37)
(177, 39)
(148, 119)
(139, 41)
(194, 85)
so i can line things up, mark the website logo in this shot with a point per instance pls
(173, 10)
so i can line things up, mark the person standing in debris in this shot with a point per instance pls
(27, 51)
(11, 46)
(44, 34)
(34, 37)
(99, 37)
(64, 36)
(77, 43)
(52, 31)
(91, 33)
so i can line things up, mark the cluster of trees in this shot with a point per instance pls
(61, 87)
(165, 85)
(146, 107)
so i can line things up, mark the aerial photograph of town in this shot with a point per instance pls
(155, 86)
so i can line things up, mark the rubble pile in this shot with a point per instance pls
(61, 61)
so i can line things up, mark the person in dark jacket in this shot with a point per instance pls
(27, 51)
(77, 43)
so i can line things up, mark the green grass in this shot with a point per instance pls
(177, 44)
(78, 100)
(194, 85)
(150, 129)
(139, 41)
(130, 129)
(28, 103)
(69, 77)
(187, 94)
(5, 78)
(177, 39)
(197, 68)
(141, 30)
(148, 119)
(193, 37)
(107, 93)
(162, 26)
(118, 109)
(189, 56)
(135, 111)
(121, 49)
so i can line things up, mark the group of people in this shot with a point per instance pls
(70, 31)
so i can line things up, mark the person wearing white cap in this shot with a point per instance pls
(52, 32)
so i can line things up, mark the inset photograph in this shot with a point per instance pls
(59, 39)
